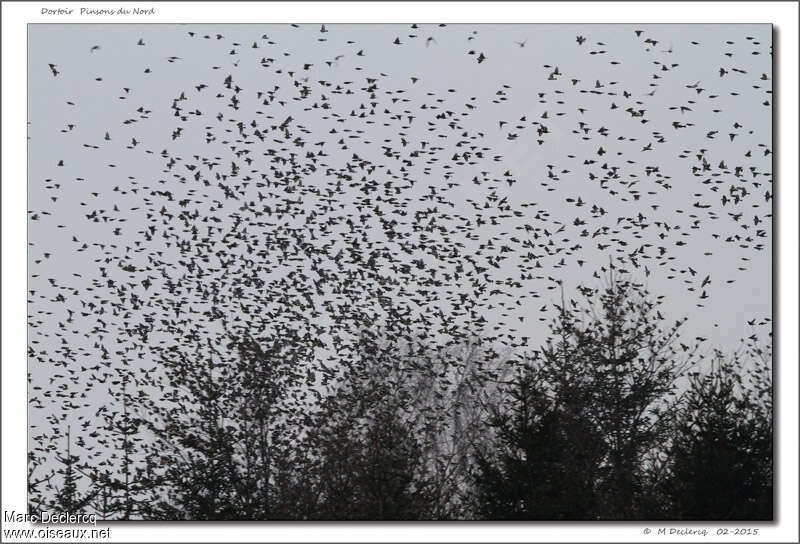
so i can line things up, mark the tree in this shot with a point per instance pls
(217, 441)
(370, 464)
(370, 471)
(721, 454)
(603, 384)
(69, 497)
(450, 390)
(630, 367)
(545, 463)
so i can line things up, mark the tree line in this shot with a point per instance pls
(614, 417)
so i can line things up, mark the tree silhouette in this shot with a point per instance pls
(599, 392)
(370, 461)
(546, 464)
(722, 449)
(631, 366)
(69, 497)
(370, 474)
(218, 440)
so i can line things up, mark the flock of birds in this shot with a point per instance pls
(302, 200)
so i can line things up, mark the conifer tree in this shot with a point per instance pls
(69, 497)
(597, 393)
(721, 454)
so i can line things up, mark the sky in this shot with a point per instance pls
(662, 215)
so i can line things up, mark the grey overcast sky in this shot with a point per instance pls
(681, 127)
